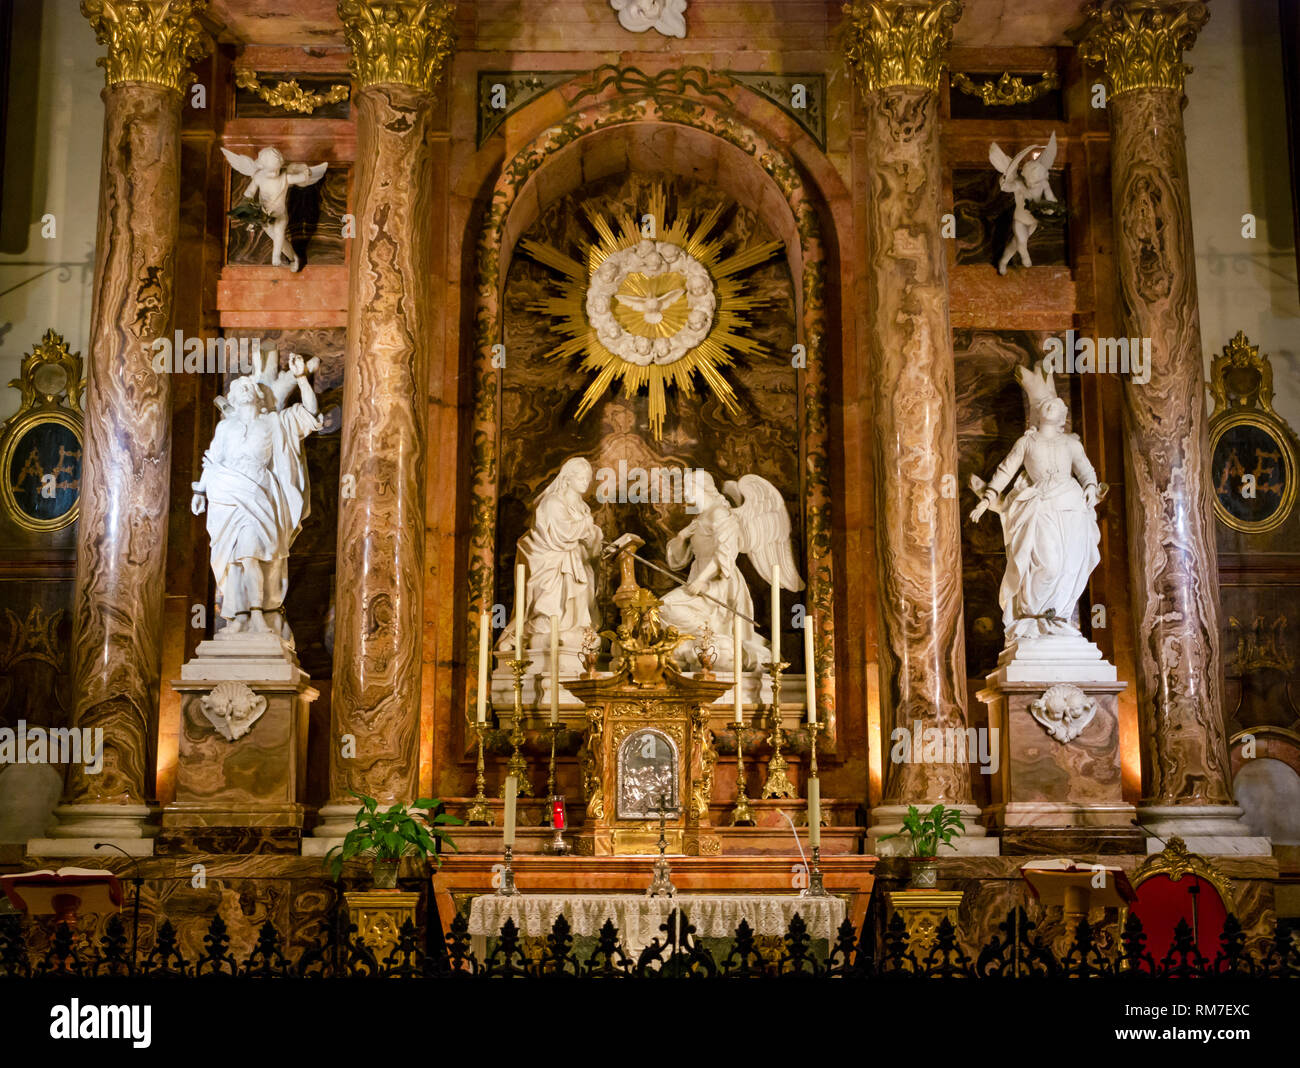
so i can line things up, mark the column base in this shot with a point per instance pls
(888, 819)
(82, 827)
(1212, 830)
(335, 822)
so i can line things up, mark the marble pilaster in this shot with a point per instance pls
(399, 49)
(121, 540)
(896, 48)
(1138, 45)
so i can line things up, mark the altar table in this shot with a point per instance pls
(638, 918)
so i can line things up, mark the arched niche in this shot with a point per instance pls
(696, 140)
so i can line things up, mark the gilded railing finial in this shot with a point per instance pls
(891, 43)
(1139, 44)
(150, 41)
(403, 42)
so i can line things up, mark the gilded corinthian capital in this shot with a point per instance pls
(890, 43)
(152, 41)
(402, 42)
(1139, 44)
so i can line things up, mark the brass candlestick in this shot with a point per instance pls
(742, 815)
(550, 773)
(478, 810)
(517, 766)
(815, 885)
(778, 781)
(662, 884)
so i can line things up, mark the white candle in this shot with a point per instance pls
(739, 656)
(484, 625)
(555, 670)
(776, 614)
(512, 789)
(520, 581)
(810, 671)
(815, 812)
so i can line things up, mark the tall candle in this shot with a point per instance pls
(484, 623)
(776, 614)
(512, 790)
(815, 812)
(520, 581)
(739, 656)
(810, 671)
(555, 670)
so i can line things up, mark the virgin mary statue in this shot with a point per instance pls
(1049, 520)
(559, 552)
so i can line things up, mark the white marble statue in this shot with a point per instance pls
(758, 525)
(269, 180)
(255, 491)
(1049, 520)
(1026, 178)
(560, 550)
(666, 16)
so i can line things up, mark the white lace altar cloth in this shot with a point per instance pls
(638, 917)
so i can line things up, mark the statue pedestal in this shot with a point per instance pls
(243, 745)
(1058, 783)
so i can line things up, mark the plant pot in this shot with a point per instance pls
(924, 873)
(384, 873)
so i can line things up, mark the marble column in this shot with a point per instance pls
(399, 50)
(1138, 46)
(122, 535)
(896, 49)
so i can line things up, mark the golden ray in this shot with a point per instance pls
(689, 229)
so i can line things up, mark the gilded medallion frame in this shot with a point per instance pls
(1241, 383)
(43, 406)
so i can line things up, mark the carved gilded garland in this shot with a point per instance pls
(487, 382)
(892, 43)
(402, 42)
(152, 41)
(1139, 44)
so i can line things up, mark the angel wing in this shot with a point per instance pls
(1048, 156)
(243, 164)
(998, 158)
(303, 174)
(764, 528)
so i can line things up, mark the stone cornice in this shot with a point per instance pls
(150, 41)
(891, 43)
(399, 42)
(1139, 44)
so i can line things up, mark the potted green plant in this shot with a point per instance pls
(926, 833)
(391, 834)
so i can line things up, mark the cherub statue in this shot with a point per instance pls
(757, 525)
(269, 181)
(1049, 520)
(666, 16)
(1026, 178)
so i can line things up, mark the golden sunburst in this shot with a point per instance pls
(667, 305)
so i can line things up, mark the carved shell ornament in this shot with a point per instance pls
(232, 708)
(653, 301)
(1064, 711)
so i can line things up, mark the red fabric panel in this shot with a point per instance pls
(1161, 903)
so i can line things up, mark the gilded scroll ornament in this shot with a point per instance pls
(1139, 44)
(402, 42)
(1241, 378)
(893, 43)
(151, 41)
(1007, 90)
(289, 95)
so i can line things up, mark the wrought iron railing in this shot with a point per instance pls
(1016, 950)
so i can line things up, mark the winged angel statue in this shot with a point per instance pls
(269, 180)
(755, 522)
(1025, 178)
